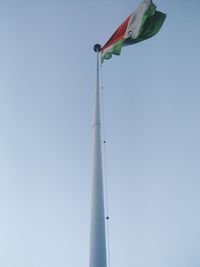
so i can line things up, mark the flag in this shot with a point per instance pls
(142, 24)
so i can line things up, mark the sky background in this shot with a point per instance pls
(151, 110)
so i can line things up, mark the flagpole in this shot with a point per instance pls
(97, 235)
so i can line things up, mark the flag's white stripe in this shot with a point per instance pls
(109, 49)
(135, 20)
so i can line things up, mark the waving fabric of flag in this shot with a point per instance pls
(142, 24)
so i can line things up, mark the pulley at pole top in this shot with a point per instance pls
(97, 47)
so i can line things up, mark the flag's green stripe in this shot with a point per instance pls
(151, 26)
(117, 47)
(149, 12)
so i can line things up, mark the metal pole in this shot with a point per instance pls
(97, 235)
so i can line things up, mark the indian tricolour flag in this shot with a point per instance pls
(142, 24)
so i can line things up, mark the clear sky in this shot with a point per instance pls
(152, 110)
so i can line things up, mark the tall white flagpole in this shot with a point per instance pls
(97, 235)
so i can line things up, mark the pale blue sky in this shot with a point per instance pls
(151, 102)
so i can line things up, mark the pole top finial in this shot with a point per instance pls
(97, 47)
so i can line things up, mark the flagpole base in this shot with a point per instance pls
(97, 47)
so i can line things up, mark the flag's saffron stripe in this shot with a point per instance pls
(118, 34)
